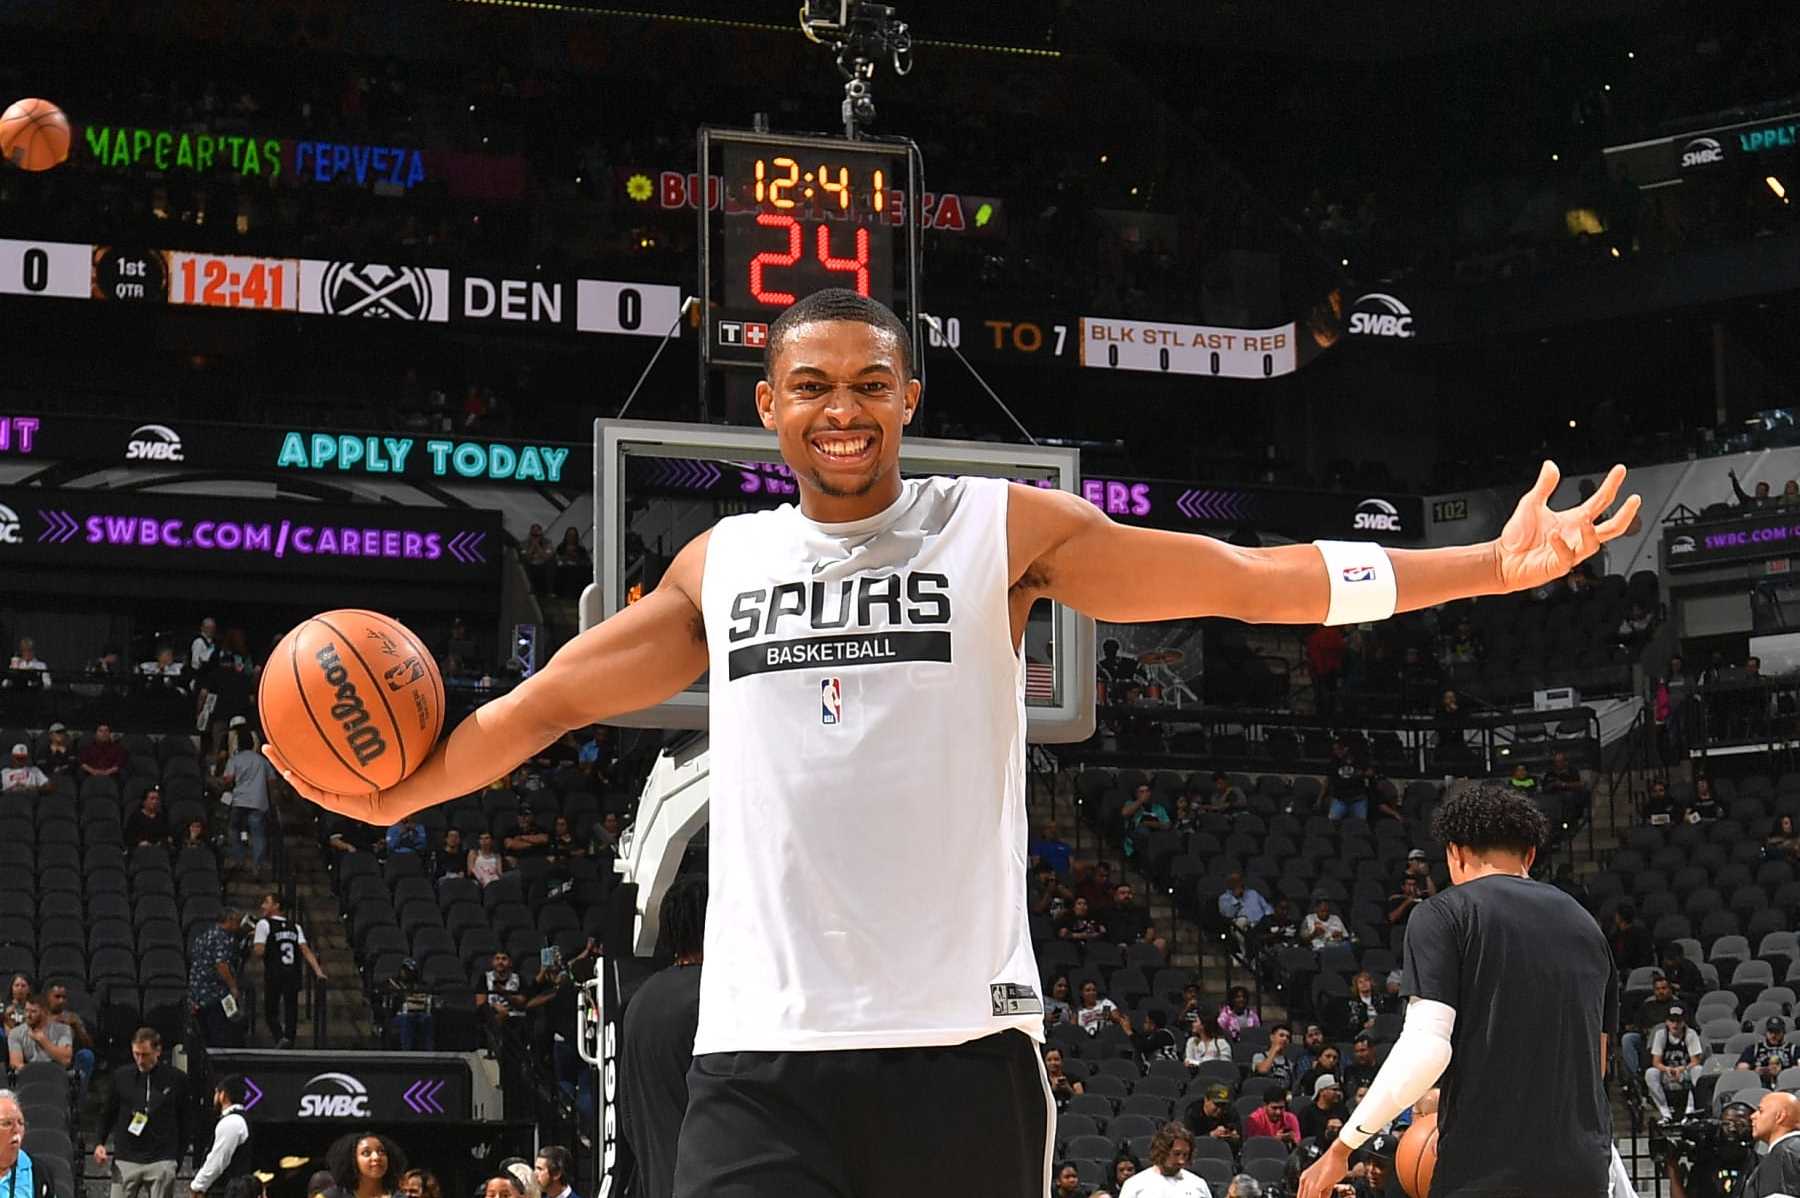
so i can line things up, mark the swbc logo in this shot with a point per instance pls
(1376, 515)
(344, 1097)
(1702, 151)
(154, 443)
(1380, 315)
(11, 531)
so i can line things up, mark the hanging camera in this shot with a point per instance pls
(862, 34)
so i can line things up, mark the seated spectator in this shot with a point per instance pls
(1659, 811)
(1282, 923)
(56, 1004)
(1650, 1015)
(526, 839)
(1365, 1003)
(409, 1010)
(1144, 810)
(13, 1014)
(1312, 1042)
(574, 568)
(1124, 1168)
(1783, 843)
(1225, 798)
(1095, 885)
(1242, 907)
(1706, 803)
(1322, 927)
(195, 835)
(164, 668)
(1207, 1042)
(26, 668)
(1361, 1069)
(485, 865)
(1056, 1004)
(21, 777)
(1126, 923)
(1079, 925)
(1770, 1055)
(149, 824)
(1273, 1062)
(408, 836)
(1068, 1182)
(1328, 1098)
(1565, 783)
(1631, 943)
(1187, 815)
(40, 1038)
(1213, 1116)
(1096, 1010)
(1062, 1086)
(1520, 779)
(1171, 1149)
(1328, 1062)
(1676, 1054)
(1052, 850)
(1689, 982)
(1384, 800)
(452, 858)
(1418, 866)
(55, 754)
(502, 995)
(564, 844)
(1243, 1185)
(101, 755)
(1048, 895)
(1237, 1014)
(1273, 1118)
(1401, 906)
(607, 831)
(1153, 1040)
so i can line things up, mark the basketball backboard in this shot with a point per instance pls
(658, 485)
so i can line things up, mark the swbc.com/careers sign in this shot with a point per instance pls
(123, 530)
(250, 449)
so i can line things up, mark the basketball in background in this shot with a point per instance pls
(352, 701)
(1416, 1158)
(34, 135)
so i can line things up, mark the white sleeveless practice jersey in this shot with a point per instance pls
(867, 841)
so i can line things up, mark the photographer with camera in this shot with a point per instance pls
(1675, 1056)
(1777, 1124)
(1708, 1158)
(409, 1008)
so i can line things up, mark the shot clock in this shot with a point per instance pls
(799, 214)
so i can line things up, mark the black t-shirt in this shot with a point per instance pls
(1202, 1124)
(1534, 987)
(1312, 1119)
(1157, 1045)
(655, 1050)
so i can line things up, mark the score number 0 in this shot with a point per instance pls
(857, 267)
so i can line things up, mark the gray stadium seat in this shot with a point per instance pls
(1746, 1087)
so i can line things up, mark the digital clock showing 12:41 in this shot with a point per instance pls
(229, 281)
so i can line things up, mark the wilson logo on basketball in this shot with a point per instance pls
(363, 738)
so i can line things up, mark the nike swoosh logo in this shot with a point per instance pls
(817, 566)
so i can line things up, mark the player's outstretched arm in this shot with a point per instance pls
(645, 654)
(1067, 549)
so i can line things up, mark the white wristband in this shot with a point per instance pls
(1362, 581)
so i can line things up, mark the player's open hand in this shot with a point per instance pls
(363, 806)
(1323, 1177)
(1539, 545)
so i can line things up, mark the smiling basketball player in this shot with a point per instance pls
(870, 999)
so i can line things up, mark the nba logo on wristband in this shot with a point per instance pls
(1359, 573)
(831, 701)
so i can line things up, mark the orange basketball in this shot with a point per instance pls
(34, 135)
(1416, 1158)
(352, 700)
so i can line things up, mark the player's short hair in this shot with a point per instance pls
(1485, 817)
(684, 915)
(147, 1035)
(838, 303)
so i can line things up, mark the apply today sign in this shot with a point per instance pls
(442, 458)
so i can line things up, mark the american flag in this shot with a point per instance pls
(1040, 682)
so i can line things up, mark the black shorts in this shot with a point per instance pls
(868, 1123)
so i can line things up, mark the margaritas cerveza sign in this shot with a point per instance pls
(491, 461)
(250, 156)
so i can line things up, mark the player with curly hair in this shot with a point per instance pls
(1512, 995)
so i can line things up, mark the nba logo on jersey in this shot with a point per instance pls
(1359, 573)
(831, 701)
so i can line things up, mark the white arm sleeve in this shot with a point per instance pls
(1413, 1066)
